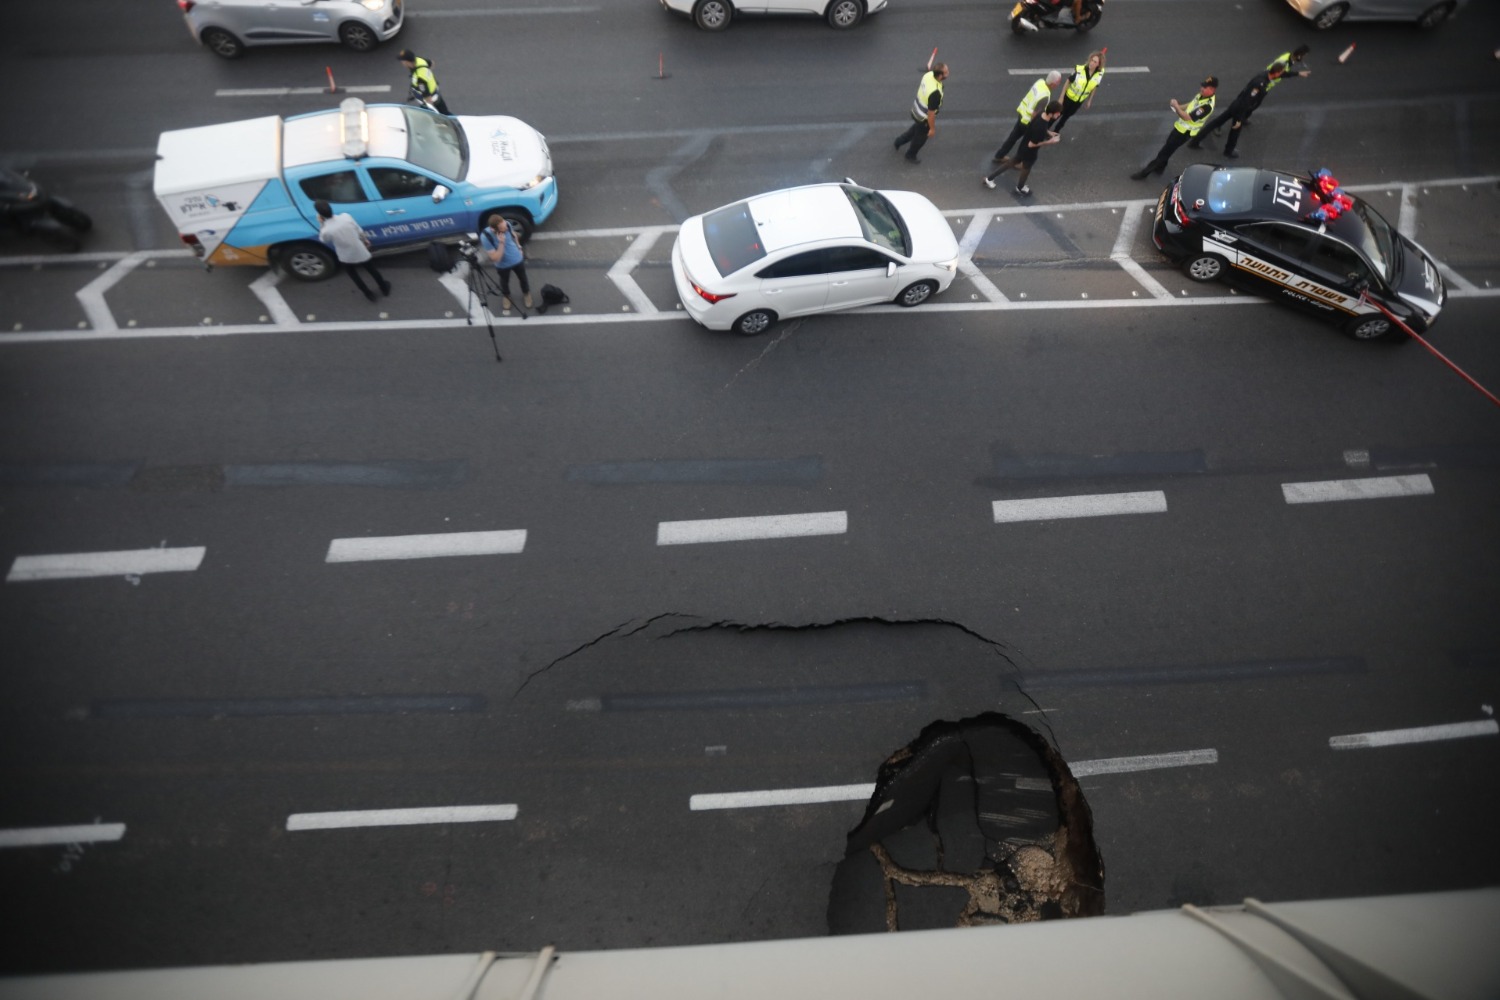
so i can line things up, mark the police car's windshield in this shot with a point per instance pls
(436, 143)
(881, 223)
(1374, 239)
(1231, 190)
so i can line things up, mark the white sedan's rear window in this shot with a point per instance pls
(732, 238)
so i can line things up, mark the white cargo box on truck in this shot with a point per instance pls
(207, 177)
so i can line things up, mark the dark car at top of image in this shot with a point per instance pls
(1302, 239)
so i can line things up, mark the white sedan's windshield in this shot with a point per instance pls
(878, 218)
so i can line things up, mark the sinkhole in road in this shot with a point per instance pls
(974, 822)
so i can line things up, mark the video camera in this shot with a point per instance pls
(444, 257)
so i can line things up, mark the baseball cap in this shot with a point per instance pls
(406, 55)
(1210, 81)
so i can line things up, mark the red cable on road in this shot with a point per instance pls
(1435, 352)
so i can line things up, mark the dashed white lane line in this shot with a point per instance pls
(1108, 69)
(511, 12)
(1374, 488)
(1421, 734)
(741, 529)
(42, 836)
(401, 817)
(852, 793)
(383, 88)
(78, 565)
(457, 543)
(1096, 505)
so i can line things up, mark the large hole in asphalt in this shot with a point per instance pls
(974, 822)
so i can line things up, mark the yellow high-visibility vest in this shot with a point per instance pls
(925, 87)
(1081, 87)
(1034, 98)
(422, 79)
(1193, 127)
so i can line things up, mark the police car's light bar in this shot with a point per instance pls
(354, 128)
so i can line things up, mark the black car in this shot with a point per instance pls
(1301, 238)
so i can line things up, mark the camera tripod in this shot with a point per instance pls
(482, 282)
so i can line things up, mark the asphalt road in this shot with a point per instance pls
(586, 684)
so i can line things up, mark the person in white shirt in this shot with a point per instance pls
(350, 245)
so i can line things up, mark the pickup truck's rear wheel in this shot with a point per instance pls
(309, 261)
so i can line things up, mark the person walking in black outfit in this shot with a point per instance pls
(1190, 119)
(924, 110)
(1240, 110)
(350, 245)
(1038, 97)
(1038, 134)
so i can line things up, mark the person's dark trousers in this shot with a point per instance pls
(1070, 108)
(1018, 130)
(504, 273)
(1159, 163)
(916, 135)
(440, 105)
(1238, 114)
(381, 283)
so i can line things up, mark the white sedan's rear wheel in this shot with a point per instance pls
(754, 323)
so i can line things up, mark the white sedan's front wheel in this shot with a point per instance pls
(916, 293)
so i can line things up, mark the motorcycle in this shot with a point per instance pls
(1033, 15)
(29, 210)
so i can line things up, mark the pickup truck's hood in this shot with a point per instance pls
(505, 152)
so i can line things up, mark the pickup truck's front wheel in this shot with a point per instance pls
(308, 261)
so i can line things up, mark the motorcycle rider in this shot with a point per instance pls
(1052, 6)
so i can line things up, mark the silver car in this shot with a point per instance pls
(228, 27)
(1326, 13)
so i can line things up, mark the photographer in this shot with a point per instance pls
(504, 249)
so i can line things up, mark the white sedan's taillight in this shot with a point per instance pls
(708, 296)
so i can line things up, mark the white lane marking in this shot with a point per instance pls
(264, 288)
(458, 287)
(1406, 222)
(1096, 505)
(1130, 224)
(401, 817)
(966, 248)
(383, 88)
(1107, 70)
(848, 793)
(1458, 285)
(780, 797)
(619, 271)
(1148, 762)
(91, 296)
(41, 836)
(457, 543)
(88, 564)
(512, 12)
(1421, 734)
(1374, 488)
(739, 529)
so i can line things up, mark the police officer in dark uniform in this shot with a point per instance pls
(1240, 109)
(1190, 118)
(424, 85)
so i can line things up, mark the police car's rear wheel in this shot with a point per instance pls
(357, 37)
(916, 293)
(1375, 327)
(1435, 15)
(309, 261)
(1204, 267)
(845, 13)
(713, 15)
(222, 43)
(754, 323)
(1330, 16)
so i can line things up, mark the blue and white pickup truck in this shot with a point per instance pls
(243, 192)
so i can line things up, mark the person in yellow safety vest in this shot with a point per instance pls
(924, 110)
(1082, 83)
(424, 85)
(1190, 118)
(1039, 96)
(1294, 63)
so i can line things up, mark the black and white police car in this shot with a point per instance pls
(1300, 238)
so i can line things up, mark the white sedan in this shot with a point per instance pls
(715, 15)
(809, 250)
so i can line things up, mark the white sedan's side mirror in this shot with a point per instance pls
(890, 270)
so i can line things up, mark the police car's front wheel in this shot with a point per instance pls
(1204, 267)
(1374, 327)
(308, 261)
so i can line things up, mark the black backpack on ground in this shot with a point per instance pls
(552, 296)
